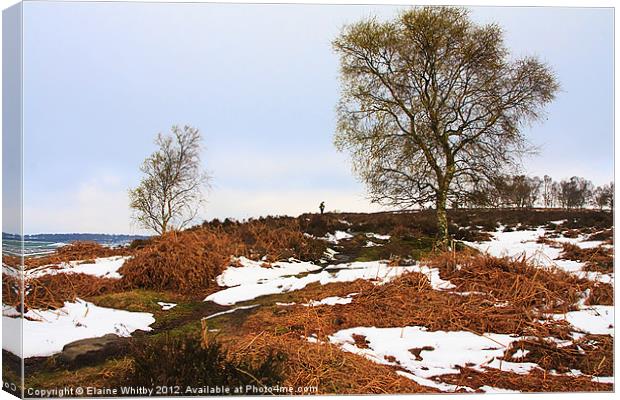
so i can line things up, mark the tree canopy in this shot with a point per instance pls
(431, 104)
(170, 193)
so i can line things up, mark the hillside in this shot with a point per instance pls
(339, 303)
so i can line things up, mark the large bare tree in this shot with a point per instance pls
(432, 103)
(170, 194)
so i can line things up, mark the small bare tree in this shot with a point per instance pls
(575, 192)
(171, 191)
(547, 193)
(431, 104)
(603, 196)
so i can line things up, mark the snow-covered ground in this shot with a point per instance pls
(331, 301)
(377, 236)
(337, 236)
(597, 320)
(421, 354)
(425, 354)
(47, 332)
(251, 280)
(516, 244)
(166, 306)
(106, 267)
(253, 272)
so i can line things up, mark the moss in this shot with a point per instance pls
(193, 327)
(408, 247)
(135, 300)
(140, 300)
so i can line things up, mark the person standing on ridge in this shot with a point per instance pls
(322, 207)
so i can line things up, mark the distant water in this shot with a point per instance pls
(39, 245)
(31, 247)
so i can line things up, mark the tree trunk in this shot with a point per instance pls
(442, 221)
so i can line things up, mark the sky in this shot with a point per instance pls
(261, 83)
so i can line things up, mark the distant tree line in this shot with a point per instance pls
(521, 191)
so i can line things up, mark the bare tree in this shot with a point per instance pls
(575, 192)
(431, 103)
(555, 194)
(603, 196)
(170, 193)
(525, 190)
(547, 192)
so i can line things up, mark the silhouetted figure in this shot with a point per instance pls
(322, 207)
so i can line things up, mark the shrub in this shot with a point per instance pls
(320, 225)
(606, 235)
(596, 259)
(601, 293)
(403, 232)
(11, 290)
(185, 262)
(325, 366)
(591, 354)
(137, 244)
(516, 281)
(51, 291)
(277, 241)
(189, 261)
(184, 361)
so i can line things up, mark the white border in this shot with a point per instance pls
(522, 3)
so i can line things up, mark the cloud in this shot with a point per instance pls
(98, 205)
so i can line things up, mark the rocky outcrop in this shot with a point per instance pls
(93, 350)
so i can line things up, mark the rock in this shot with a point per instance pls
(93, 350)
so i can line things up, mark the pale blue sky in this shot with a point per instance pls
(261, 82)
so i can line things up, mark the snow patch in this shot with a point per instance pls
(597, 320)
(232, 310)
(329, 301)
(255, 283)
(521, 353)
(337, 236)
(106, 267)
(377, 236)
(424, 354)
(330, 253)
(166, 306)
(491, 389)
(48, 331)
(603, 379)
(519, 244)
(444, 387)
(252, 272)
